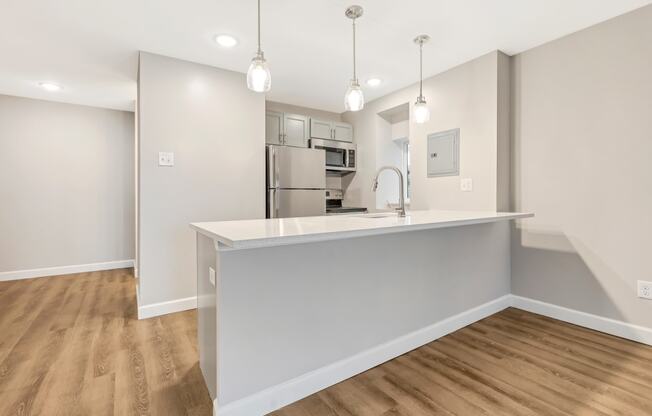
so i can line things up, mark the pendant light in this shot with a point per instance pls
(353, 99)
(421, 111)
(259, 78)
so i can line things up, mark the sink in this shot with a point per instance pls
(377, 215)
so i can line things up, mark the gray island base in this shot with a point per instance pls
(300, 304)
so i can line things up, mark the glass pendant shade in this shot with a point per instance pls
(259, 78)
(354, 99)
(421, 111)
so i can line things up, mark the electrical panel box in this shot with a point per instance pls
(444, 153)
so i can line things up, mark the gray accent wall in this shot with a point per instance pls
(66, 184)
(216, 128)
(582, 161)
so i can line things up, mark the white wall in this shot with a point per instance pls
(401, 130)
(215, 127)
(295, 109)
(582, 128)
(464, 97)
(66, 184)
(388, 153)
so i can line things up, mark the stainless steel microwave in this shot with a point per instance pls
(340, 156)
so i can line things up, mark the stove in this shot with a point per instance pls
(334, 204)
(345, 210)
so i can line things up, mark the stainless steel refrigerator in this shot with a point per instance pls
(296, 182)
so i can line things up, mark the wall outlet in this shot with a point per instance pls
(211, 275)
(466, 184)
(644, 289)
(165, 159)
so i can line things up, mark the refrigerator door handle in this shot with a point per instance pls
(273, 203)
(276, 168)
(273, 169)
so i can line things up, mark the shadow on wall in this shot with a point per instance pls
(559, 269)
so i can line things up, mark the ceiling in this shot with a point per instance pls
(90, 47)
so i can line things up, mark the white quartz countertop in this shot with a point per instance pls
(242, 234)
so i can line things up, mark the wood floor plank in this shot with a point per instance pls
(72, 345)
(576, 334)
(639, 371)
(613, 381)
(571, 389)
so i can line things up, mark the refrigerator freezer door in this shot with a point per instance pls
(287, 203)
(295, 168)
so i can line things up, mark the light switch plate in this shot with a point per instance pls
(211, 275)
(165, 159)
(466, 184)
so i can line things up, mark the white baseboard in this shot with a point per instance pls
(283, 394)
(599, 323)
(163, 308)
(59, 270)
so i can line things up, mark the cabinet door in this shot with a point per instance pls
(273, 127)
(342, 131)
(296, 130)
(320, 129)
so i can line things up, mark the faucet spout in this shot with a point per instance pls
(401, 195)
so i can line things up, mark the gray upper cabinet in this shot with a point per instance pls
(331, 130)
(342, 132)
(296, 130)
(286, 129)
(320, 129)
(273, 127)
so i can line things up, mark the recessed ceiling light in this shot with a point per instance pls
(50, 86)
(226, 41)
(374, 82)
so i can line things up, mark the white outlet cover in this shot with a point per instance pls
(165, 159)
(466, 184)
(644, 289)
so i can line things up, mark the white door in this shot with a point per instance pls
(273, 127)
(296, 130)
(343, 132)
(320, 129)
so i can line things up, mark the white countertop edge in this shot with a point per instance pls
(228, 244)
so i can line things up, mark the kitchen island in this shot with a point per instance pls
(289, 306)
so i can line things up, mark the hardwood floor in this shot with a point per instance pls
(512, 363)
(71, 345)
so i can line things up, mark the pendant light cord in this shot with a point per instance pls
(259, 51)
(354, 69)
(421, 70)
